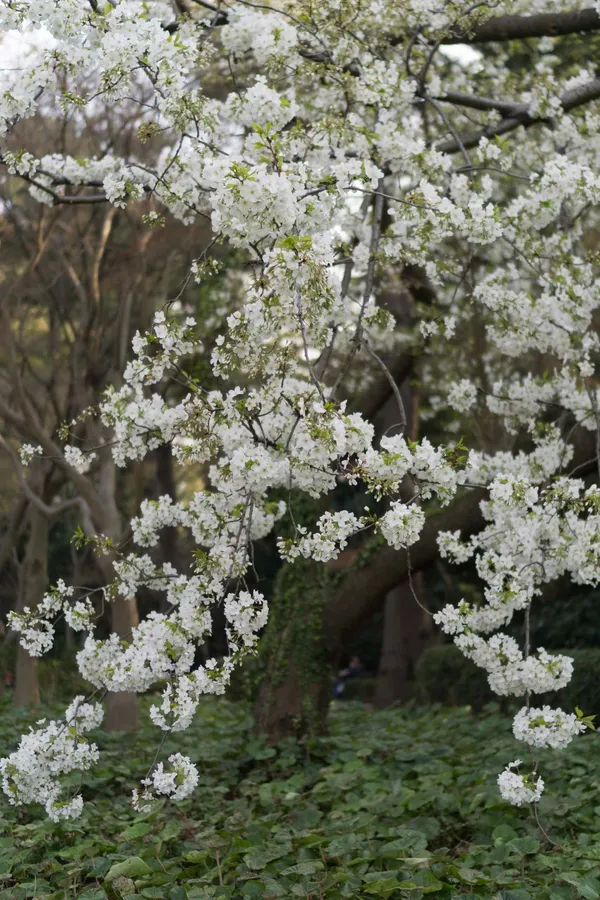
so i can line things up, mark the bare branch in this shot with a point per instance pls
(28, 491)
(505, 107)
(571, 99)
(513, 28)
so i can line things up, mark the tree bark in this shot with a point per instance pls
(406, 632)
(33, 586)
(280, 709)
(404, 621)
(295, 688)
(165, 483)
(121, 707)
(513, 28)
(362, 592)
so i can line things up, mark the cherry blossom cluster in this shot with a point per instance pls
(547, 727)
(517, 789)
(32, 773)
(532, 537)
(176, 784)
(333, 158)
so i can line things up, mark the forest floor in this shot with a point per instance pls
(400, 803)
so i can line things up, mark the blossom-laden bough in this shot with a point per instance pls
(361, 147)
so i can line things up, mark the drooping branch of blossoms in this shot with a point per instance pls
(292, 167)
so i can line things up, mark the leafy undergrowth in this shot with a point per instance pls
(392, 804)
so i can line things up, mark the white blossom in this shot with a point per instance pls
(546, 727)
(519, 790)
(289, 164)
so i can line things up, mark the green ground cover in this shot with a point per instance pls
(395, 804)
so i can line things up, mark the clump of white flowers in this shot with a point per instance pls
(402, 524)
(277, 167)
(27, 452)
(517, 789)
(176, 784)
(547, 727)
(78, 459)
(32, 773)
(35, 627)
(463, 396)
(334, 529)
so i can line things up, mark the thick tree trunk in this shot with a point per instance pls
(33, 586)
(293, 695)
(406, 632)
(292, 706)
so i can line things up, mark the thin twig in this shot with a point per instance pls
(439, 108)
(390, 378)
(369, 278)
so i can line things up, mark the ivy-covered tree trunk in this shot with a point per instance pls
(295, 667)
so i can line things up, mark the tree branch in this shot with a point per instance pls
(28, 491)
(32, 427)
(513, 28)
(571, 99)
(471, 101)
(362, 592)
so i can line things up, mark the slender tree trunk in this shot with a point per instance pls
(404, 626)
(121, 707)
(406, 633)
(33, 586)
(165, 484)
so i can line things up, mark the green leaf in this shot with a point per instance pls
(305, 868)
(471, 876)
(261, 857)
(587, 886)
(559, 893)
(171, 831)
(134, 867)
(525, 845)
(196, 856)
(516, 894)
(138, 830)
(384, 886)
(178, 893)
(502, 834)
(406, 840)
